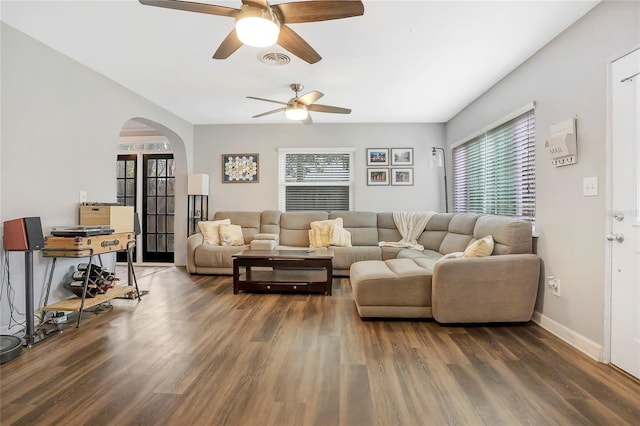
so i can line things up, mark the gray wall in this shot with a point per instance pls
(211, 141)
(60, 127)
(567, 78)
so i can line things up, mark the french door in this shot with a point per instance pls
(127, 184)
(158, 207)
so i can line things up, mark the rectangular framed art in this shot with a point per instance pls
(402, 176)
(402, 156)
(377, 156)
(240, 168)
(377, 177)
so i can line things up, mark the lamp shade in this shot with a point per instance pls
(198, 184)
(296, 111)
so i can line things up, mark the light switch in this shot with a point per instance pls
(590, 186)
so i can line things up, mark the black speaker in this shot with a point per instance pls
(23, 234)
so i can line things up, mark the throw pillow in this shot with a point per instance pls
(320, 232)
(209, 230)
(231, 235)
(480, 248)
(340, 236)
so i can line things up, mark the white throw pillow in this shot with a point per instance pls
(480, 248)
(339, 236)
(320, 232)
(231, 235)
(209, 230)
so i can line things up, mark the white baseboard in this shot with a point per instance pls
(578, 341)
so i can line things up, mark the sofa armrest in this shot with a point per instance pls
(500, 288)
(193, 241)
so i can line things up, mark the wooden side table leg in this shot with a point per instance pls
(236, 276)
(329, 277)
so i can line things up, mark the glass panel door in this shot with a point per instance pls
(126, 180)
(158, 207)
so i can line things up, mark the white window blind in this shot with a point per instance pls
(315, 180)
(495, 172)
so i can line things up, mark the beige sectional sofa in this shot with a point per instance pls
(406, 283)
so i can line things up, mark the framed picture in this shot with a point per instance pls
(402, 156)
(402, 176)
(377, 156)
(377, 176)
(239, 168)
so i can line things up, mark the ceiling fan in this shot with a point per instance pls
(298, 107)
(260, 24)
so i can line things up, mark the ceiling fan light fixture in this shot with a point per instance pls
(257, 27)
(296, 112)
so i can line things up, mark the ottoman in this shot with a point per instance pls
(398, 288)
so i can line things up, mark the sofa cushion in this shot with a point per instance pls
(231, 235)
(270, 221)
(207, 256)
(511, 236)
(363, 226)
(437, 228)
(210, 230)
(460, 233)
(480, 248)
(395, 282)
(294, 227)
(387, 230)
(344, 257)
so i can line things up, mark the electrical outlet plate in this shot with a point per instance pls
(83, 196)
(590, 186)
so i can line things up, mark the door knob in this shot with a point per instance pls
(618, 215)
(615, 237)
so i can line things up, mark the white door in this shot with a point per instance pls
(625, 216)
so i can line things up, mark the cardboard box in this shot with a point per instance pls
(120, 218)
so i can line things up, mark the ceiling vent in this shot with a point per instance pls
(275, 58)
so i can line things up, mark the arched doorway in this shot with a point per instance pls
(148, 165)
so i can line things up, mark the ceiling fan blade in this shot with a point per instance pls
(193, 7)
(229, 45)
(310, 97)
(256, 3)
(328, 108)
(269, 112)
(307, 120)
(314, 11)
(267, 100)
(292, 42)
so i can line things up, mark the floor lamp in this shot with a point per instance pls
(441, 162)
(198, 200)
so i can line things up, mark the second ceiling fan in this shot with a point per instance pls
(260, 24)
(298, 107)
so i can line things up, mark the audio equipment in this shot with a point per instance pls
(23, 234)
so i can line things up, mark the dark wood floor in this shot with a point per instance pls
(193, 353)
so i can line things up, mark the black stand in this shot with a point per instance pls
(197, 210)
(29, 335)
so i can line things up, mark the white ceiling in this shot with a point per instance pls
(402, 61)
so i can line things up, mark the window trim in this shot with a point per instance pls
(282, 184)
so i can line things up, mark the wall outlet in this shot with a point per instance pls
(590, 186)
(83, 196)
(554, 285)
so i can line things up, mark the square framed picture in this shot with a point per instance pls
(402, 156)
(402, 176)
(240, 168)
(377, 156)
(377, 177)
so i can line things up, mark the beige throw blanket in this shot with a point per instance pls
(410, 225)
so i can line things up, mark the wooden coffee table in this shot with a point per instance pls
(296, 271)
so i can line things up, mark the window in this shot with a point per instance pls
(495, 171)
(315, 179)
